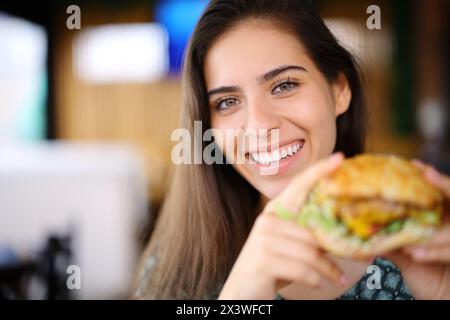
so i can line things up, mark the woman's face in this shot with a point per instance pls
(260, 79)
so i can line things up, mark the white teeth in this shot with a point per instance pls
(277, 155)
(290, 152)
(260, 158)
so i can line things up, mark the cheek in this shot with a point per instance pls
(228, 128)
(225, 138)
(226, 141)
(312, 111)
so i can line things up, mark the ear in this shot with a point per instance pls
(342, 94)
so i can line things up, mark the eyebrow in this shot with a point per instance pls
(263, 78)
(275, 72)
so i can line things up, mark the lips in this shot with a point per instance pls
(283, 152)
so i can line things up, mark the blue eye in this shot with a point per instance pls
(225, 103)
(285, 85)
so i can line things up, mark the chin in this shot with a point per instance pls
(271, 189)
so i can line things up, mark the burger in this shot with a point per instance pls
(370, 205)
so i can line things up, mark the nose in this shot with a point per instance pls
(261, 116)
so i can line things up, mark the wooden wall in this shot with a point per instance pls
(142, 115)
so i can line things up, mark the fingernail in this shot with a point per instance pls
(419, 252)
(337, 156)
(343, 281)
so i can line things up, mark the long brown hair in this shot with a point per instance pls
(209, 209)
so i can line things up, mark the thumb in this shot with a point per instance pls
(295, 194)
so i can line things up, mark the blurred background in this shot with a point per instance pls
(86, 117)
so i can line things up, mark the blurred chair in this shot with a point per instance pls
(40, 277)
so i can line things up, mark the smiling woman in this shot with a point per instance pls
(280, 88)
(270, 67)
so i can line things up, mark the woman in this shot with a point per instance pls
(272, 66)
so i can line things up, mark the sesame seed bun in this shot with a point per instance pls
(372, 204)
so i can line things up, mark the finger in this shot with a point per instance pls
(280, 284)
(311, 256)
(295, 194)
(440, 237)
(431, 254)
(322, 169)
(292, 270)
(290, 229)
(439, 180)
(419, 164)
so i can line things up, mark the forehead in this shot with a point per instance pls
(250, 49)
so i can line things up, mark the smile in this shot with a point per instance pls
(284, 152)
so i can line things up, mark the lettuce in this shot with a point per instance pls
(314, 215)
(394, 226)
(428, 217)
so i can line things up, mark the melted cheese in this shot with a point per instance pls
(368, 220)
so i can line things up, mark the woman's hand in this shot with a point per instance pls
(278, 251)
(426, 268)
